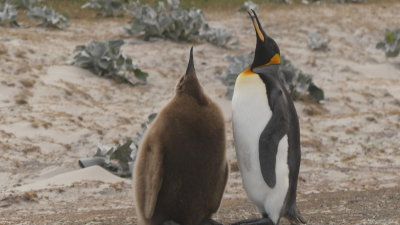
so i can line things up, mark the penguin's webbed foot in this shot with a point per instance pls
(258, 221)
(210, 222)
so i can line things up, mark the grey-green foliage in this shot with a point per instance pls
(106, 8)
(391, 43)
(105, 59)
(248, 5)
(8, 14)
(237, 65)
(316, 42)
(317, 1)
(217, 36)
(49, 17)
(281, 1)
(115, 159)
(298, 83)
(140, 134)
(27, 4)
(349, 1)
(169, 21)
(118, 159)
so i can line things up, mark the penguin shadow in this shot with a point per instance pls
(207, 222)
(256, 221)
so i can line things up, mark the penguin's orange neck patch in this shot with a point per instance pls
(247, 72)
(276, 59)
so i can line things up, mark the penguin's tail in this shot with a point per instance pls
(294, 216)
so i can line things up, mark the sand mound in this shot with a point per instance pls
(93, 173)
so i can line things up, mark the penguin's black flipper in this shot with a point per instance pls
(275, 129)
(269, 142)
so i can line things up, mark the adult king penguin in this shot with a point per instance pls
(267, 135)
(181, 169)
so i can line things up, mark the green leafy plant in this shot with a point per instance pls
(49, 17)
(317, 43)
(8, 14)
(140, 134)
(248, 5)
(106, 8)
(104, 58)
(115, 159)
(349, 1)
(281, 1)
(298, 83)
(169, 22)
(26, 4)
(118, 159)
(391, 43)
(174, 23)
(236, 66)
(217, 36)
(316, 1)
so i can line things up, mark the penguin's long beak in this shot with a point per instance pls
(267, 51)
(257, 26)
(190, 69)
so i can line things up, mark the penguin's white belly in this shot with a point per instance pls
(251, 114)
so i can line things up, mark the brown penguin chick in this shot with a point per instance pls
(181, 169)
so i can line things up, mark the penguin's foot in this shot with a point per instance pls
(258, 221)
(210, 222)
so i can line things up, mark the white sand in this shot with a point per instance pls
(92, 173)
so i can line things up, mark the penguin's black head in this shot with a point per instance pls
(267, 51)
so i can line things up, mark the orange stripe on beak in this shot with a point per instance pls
(257, 28)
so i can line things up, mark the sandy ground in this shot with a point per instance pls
(52, 114)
